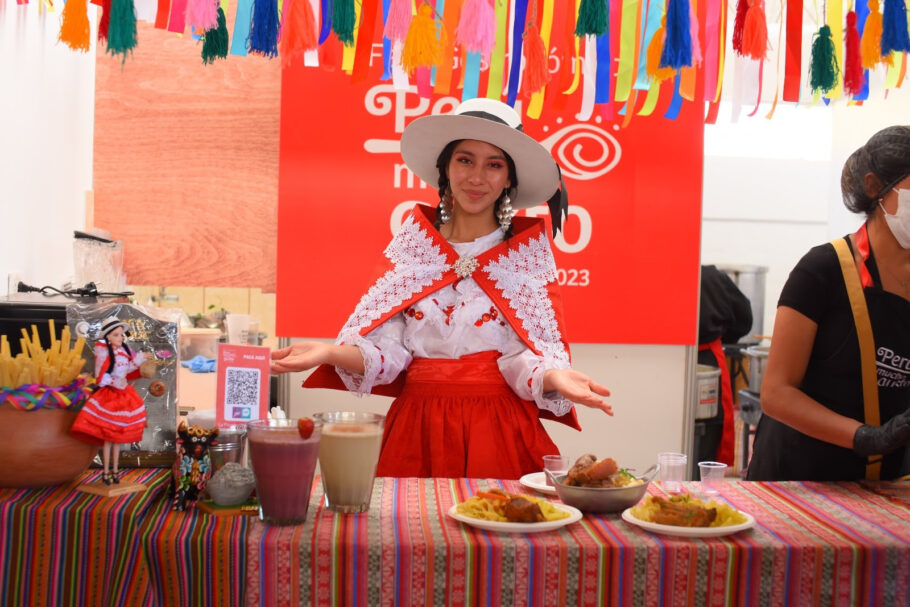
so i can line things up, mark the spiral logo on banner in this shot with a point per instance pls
(584, 151)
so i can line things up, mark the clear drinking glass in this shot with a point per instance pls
(348, 455)
(284, 464)
(672, 470)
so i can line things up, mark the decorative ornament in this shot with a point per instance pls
(445, 208)
(823, 69)
(298, 32)
(895, 36)
(263, 39)
(677, 49)
(476, 31)
(739, 25)
(871, 41)
(75, 31)
(215, 41)
(343, 21)
(755, 31)
(398, 20)
(121, 33)
(593, 18)
(653, 67)
(465, 266)
(853, 65)
(424, 44)
(536, 73)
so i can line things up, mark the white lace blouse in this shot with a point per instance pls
(454, 321)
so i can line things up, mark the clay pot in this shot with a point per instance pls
(37, 450)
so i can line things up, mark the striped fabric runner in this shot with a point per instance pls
(59, 546)
(813, 544)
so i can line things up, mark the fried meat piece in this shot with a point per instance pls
(521, 510)
(682, 514)
(589, 472)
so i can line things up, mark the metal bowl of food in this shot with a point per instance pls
(603, 499)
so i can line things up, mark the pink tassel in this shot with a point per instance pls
(398, 20)
(202, 14)
(693, 34)
(476, 30)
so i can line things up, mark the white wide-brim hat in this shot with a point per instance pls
(110, 323)
(495, 123)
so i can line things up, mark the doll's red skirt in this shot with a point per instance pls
(458, 418)
(111, 415)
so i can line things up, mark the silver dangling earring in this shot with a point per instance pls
(505, 213)
(445, 208)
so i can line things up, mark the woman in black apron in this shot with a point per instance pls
(817, 424)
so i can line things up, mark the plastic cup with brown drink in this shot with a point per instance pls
(348, 455)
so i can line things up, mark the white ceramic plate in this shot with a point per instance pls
(689, 531)
(538, 482)
(574, 516)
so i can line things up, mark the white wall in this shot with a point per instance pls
(46, 128)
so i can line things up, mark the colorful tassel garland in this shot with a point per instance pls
(895, 37)
(871, 41)
(536, 72)
(215, 43)
(202, 14)
(263, 39)
(823, 69)
(677, 50)
(74, 27)
(853, 65)
(121, 34)
(425, 41)
(476, 31)
(653, 67)
(105, 21)
(398, 20)
(298, 32)
(343, 21)
(755, 31)
(739, 24)
(593, 18)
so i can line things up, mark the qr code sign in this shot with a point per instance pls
(242, 387)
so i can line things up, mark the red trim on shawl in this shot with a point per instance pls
(862, 245)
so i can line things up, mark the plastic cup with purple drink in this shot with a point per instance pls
(284, 462)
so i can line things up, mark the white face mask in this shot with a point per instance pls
(899, 223)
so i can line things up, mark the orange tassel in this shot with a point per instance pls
(652, 59)
(536, 71)
(74, 27)
(871, 42)
(425, 41)
(298, 32)
(755, 31)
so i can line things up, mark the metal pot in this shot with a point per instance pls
(758, 357)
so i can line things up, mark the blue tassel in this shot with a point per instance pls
(263, 39)
(677, 51)
(895, 36)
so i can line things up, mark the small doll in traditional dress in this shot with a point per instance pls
(115, 413)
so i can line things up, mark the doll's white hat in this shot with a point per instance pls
(110, 323)
(495, 123)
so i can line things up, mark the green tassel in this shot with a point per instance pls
(215, 41)
(823, 69)
(593, 18)
(121, 33)
(343, 21)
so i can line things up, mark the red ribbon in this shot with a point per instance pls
(794, 50)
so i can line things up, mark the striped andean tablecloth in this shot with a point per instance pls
(814, 543)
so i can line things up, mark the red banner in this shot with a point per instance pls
(628, 258)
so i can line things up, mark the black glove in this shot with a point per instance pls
(875, 440)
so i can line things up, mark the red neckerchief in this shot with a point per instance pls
(518, 275)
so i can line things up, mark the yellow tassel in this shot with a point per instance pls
(871, 42)
(74, 27)
(425, 41)
(652, 59)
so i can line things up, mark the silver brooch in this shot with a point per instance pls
(465, 266)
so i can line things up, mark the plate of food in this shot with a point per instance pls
(538, 482)
(687, 516)
(498, 510)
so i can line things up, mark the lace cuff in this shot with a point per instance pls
(553, 402)
(373, 367)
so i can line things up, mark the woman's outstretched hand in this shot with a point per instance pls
(578, 388)
(300, 356)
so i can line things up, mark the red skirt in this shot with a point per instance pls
(457, 418)
(111, 415)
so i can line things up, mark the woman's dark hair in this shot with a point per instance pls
(887, 156)
(442, 162)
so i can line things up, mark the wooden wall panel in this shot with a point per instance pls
(186, 162)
